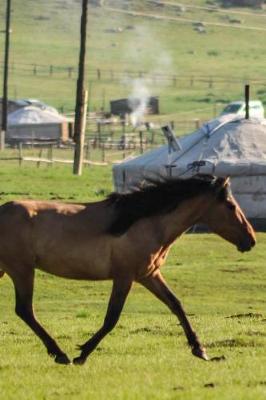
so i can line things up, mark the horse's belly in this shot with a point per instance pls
(75, 270)
(77, 263)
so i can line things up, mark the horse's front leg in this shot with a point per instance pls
(120, 290)
(157, 285)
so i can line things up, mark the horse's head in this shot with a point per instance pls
(225, 217)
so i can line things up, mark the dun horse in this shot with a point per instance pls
(125, 238)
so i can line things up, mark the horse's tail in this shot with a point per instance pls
(2, 273)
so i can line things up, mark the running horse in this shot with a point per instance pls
(124, 238)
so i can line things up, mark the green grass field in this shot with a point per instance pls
(47, 33)
(146, 356)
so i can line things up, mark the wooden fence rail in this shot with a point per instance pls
(109, 75)
(107, 158)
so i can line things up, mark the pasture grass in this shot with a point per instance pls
(47, 33)
(146, 355)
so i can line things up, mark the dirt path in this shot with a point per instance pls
(180, 19)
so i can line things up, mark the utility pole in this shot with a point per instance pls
(80, 112)
(5, 82)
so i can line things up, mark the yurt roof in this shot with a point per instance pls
(227, 145)
(34, 115)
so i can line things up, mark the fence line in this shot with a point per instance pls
(39, 160)
(110, 75)
(50, 160)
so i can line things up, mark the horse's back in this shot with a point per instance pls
(61, 238)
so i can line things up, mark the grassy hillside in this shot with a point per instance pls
(190, 71)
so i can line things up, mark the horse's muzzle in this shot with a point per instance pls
(246, 245)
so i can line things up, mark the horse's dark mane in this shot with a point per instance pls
(158, 198)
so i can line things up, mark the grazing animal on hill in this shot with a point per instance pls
(125, 238)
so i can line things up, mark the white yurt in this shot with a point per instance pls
(226, 146)
(34, 115)
(33, 123)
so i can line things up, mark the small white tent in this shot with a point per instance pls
(226, 146)
(32, 123)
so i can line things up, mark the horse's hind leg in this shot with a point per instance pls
(24, 293)
(117, 300)
(157, 285)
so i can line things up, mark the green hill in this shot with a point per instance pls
(192, 55)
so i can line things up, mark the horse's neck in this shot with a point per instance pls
(173, 224)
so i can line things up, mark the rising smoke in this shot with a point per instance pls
(138, 100)
(144, 46)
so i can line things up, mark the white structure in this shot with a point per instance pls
(33, 123)
(226, 146)
(34, 115)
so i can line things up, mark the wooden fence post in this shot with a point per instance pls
(20, 158)
(197, 123)
(2, 139)
(99, 134)
(123, 126)
(88, 152)
(103, 153)
(141, 141)
(79, 148)
(50, 155)
(70, 70)
(40, 156)
(174, 81)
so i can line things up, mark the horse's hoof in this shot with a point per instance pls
(200, 352)
(79, 360)
(62, 359)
